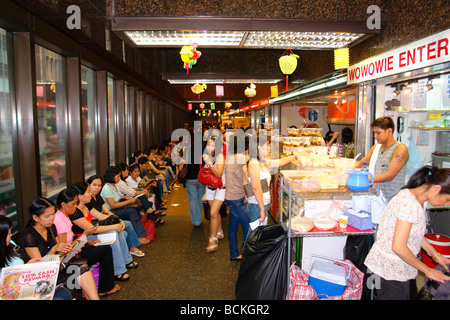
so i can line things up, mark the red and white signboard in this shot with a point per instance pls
(423, 53)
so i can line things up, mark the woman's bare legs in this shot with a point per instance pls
(215, 224)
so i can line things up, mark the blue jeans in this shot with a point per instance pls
(134, 216)
(167, 177)
(238, 216)
(254, 213)
(121, 254)
(195, 191)
(132, 238)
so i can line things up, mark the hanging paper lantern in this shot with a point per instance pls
(341, 58)
(250, 92)
(219, 91)
(198, 88)
(202, 105)
(274, 91)
(196, 111)
(228, 105)
(288, 64)
(189, 56)
(189, 106)
(213, 106)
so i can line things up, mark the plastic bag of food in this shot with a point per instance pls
(301, 224)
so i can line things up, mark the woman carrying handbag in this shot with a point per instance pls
(214, 179)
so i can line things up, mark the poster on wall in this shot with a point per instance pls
(420, 95)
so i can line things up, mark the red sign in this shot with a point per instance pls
(255, 105)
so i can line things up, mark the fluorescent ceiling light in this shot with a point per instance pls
(298, 93)
(244, 39)
(184, 37)
(300, 40)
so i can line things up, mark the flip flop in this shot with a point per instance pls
(121, 277)
(113, 290)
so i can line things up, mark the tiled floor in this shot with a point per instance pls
(176, 265)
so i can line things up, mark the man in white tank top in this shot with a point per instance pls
(389, 159)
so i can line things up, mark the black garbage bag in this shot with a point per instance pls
(356, 250)
(264, 267)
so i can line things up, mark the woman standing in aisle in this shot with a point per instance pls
(215, 197)
(401, 233)
(235, 162)
(195, 189)
(258, 175)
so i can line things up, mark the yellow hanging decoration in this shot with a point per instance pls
(288, 64)
(341, 58)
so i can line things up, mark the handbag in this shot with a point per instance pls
(208, 178)
(248, 186)
(182, 174)
(110, 220)
(149, 226)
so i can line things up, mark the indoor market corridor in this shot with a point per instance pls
(176, 265)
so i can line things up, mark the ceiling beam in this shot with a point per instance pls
(237, 24)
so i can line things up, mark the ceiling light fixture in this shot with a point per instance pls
(408, 89)
(395, 93)
(247, 39)
(428, 86)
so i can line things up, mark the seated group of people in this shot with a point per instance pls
(116, 203)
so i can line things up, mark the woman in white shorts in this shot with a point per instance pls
(215, 197)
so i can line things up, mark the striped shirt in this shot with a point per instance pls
(389, 188)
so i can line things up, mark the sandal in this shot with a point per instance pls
(113, 290)
(144, 240)
(123, 277)
(159, 221)
(132, 265)
(137, 253)
(220, 235)
(213, 244)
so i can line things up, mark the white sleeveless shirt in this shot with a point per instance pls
(263, 174)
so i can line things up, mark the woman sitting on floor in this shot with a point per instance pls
(82, 220)
(67, 204)
(122, 209)
(142, 194)
(97, 203)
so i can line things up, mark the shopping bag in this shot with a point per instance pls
(149, 226)
(300, 290)
(378, 204)
(264, 267)
(433, 290)
(414, 162)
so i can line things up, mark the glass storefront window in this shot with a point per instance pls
(7, 186)
(51, 105)
(111, 123)
(127, 134)
(88, 105)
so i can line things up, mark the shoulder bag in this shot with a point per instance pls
(248, 186)
(208, 178)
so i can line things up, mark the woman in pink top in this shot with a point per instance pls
(67, 203)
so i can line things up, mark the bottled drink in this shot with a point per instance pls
(364, 167)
